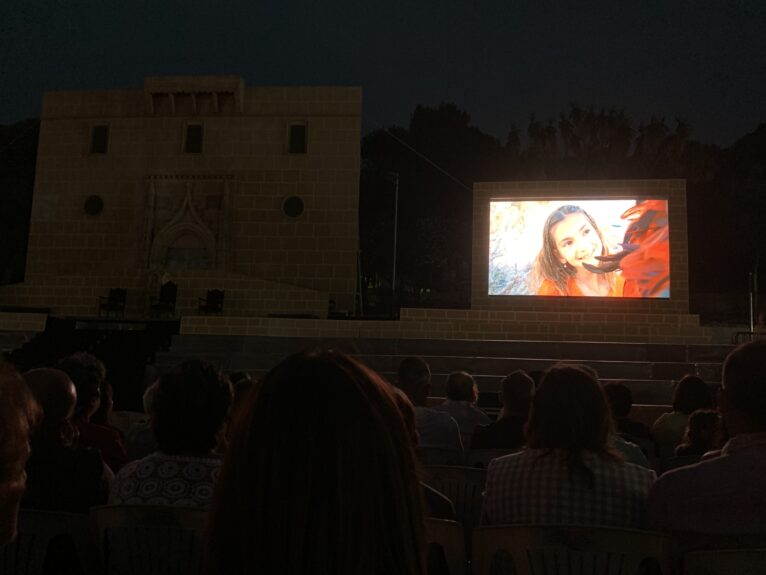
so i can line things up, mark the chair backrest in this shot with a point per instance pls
(117, 296)
(26, 554)
(463, 485)
(168, 292)
(440, 456)
(446, 544)
(481, 457)
(215, 298)
(568, 550)
(150, 540)
(734, 561)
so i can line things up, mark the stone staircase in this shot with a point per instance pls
(648, 369)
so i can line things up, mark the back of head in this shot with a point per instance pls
(569, 411)
(414, 379)
(744, 382)
(620, 399)
(460, 386)
(691, 393)
(56, 395)
(88, 374)
(517, 390)
(702, 429)
(19, 413)
(319, 476)
(189, 408)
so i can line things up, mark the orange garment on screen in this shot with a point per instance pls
(549, 287)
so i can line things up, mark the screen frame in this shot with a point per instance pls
(674, 191)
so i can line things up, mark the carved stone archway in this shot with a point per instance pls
(186, 222)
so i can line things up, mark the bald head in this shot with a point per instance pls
(55, 393)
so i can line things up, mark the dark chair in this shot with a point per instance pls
(213, 302)
(150, 540)
(113, 304)
(41, 532)
(165, 305)
(569, 550)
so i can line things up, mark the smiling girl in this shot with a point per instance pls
(571, 239)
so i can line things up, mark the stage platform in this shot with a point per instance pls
(486, 344)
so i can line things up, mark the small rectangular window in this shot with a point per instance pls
(193, 141)
(99, 140)
(297, 139)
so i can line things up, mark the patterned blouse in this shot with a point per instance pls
(537, 487)
(162, 479)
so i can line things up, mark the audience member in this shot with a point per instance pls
(320, 477)
(620, 400)
(702, 434)
(189, 409)
(537, 376)
(516, 392)
(438, 505)
(89, 377)
(140, 439)
(568, 474)
(691, 393)
(724, 494)
(241, 383)
(462, 394)
(631, 453)
(19, 413)
(60, 476)
(435, 428)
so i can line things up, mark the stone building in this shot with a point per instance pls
(199, 180)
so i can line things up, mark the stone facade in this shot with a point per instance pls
(185, 180)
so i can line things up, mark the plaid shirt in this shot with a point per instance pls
(537, 487)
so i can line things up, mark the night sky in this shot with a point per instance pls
(499, 60)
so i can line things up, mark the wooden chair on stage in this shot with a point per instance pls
(212, 303)
(113, 305)
(165, 304)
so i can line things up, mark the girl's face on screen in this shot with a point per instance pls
(577, 241)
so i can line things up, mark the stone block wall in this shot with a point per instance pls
(226, 200)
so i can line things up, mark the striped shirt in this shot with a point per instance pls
(536, 486)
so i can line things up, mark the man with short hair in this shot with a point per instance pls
(435, 428)
(462, 394)
(516, 391)
(620, 400)
(724, 494)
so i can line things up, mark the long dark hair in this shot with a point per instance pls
(547, 265)
(570, 412)
(319, 478)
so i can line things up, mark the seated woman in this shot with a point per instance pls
(703, 434)
(19, 413)
(690, 393)
(189, 410)
(319, 477)
(569, 475)
(61, 476)
(571, 239)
